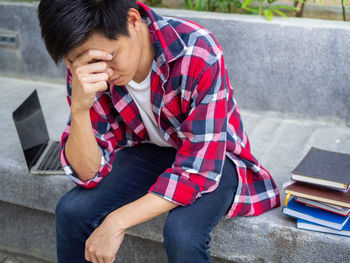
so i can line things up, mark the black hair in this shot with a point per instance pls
(66, 24)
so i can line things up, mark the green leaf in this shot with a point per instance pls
(279, 12)
(246, 3)
(202, 4)
(189, 4)
(237, 4)
(254, 10)
(268, 14)
(196, 4)
(211, 5)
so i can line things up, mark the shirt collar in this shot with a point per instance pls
(167, 43)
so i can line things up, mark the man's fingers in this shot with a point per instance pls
(97, 67)
(87, 255)
(90, 256)
(94, 78)
(100, 259)
(94, 259)
(91, 55)
(90, 89)
(89, 75)
(100, 86)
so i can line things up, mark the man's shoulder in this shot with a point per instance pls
(194, 34)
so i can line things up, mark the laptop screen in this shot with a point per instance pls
(31, 128)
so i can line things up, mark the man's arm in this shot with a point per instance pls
(81, 148)
(105, 241)
(141, 210)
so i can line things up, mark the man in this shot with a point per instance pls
(154, 128)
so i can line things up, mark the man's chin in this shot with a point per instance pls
(116, 82)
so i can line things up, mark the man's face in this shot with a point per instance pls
(126, 52)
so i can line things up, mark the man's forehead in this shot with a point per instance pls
(96, 42)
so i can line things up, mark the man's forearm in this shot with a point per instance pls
(81, 148)
(141, 210)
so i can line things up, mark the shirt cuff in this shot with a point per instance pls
(177, 189)
(92, 183)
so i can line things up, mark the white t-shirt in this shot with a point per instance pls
(141, 93)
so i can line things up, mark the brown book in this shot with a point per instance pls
(314, 192)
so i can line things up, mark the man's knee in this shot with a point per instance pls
(183, 237)
(70, 209)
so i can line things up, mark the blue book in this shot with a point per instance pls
(315, 215)
(302, 224)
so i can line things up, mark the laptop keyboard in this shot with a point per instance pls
(51, 161)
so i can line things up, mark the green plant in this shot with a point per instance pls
(198, 4)
(224, 5)
(230, 5)
(247, 5)
(269, 11)
(301, 3)
(343, 4)
(213, 5)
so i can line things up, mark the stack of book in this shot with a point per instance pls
(318, 194)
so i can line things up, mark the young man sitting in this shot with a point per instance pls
(154, 128)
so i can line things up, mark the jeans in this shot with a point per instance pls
(187, 229)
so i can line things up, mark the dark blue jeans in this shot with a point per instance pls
(187, 228)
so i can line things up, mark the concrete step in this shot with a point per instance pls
(9, 257)
(278, 140)
(28, 236)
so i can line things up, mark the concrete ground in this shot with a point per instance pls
(8, 257)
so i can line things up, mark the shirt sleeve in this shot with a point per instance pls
(202, 140)
(104, 135)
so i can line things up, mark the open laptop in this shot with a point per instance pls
(41, 154)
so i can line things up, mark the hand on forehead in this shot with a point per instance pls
(89, 56)
(97, 47)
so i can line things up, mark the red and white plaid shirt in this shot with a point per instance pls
(193, 104)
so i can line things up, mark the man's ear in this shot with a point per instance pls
(134, 19)
(69, 65)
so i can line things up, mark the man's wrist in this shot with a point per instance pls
(141, 210)
(79, 112)
(117, 221)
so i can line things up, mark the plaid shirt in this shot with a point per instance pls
(193, 104)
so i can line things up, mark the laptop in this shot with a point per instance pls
(41, 154)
